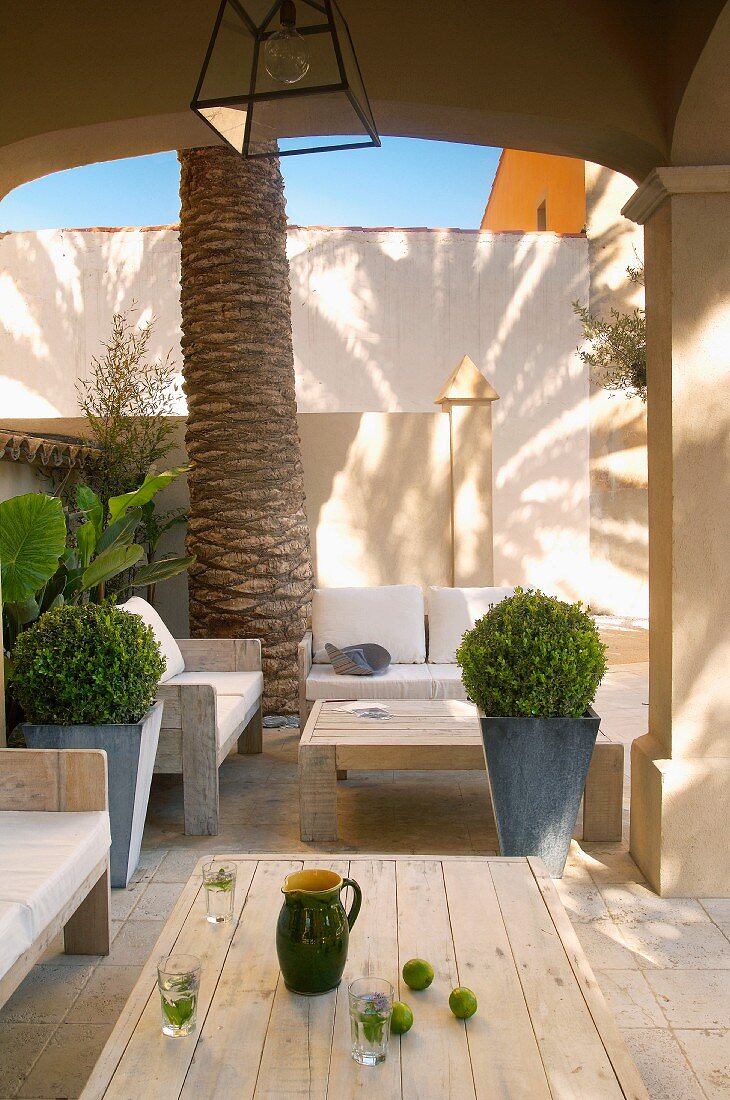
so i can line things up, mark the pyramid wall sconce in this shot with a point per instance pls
(284, 73)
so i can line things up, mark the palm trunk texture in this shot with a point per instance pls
(247, 522)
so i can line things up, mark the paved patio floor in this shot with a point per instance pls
(663, 964)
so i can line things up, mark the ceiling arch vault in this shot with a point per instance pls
(621, 82)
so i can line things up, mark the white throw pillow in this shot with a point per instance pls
(453, 611)
(168, 646)
(389, 615)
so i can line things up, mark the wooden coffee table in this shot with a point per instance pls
(424, 735)
(496, 925)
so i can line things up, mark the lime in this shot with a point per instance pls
(462, 1002)
(402, 1019)
(418, 974)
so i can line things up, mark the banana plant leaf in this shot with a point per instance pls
(161, 570)
(121, 532)
(109, 564)
(150, 487)
(32, 540)
(86, 542)
(87, 501)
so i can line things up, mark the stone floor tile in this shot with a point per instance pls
(582, 901)
(47, 993)
(659, 945)
(64, 1066)
(177, 866)
(132, 946)
(693, 998)
(662, 1064)
(630, 999)
(632, 901)
(613, 867)
(124, 901)
(604, 945)
(708, 1053)
(157, 901)
(20, 1046)
(55, 955)
(104, 995)
(718, 908)
(149, 861)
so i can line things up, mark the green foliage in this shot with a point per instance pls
(39, 571)
(128, 401)
(618, 345)
(32, 539)
(86, 665)
(533, 654)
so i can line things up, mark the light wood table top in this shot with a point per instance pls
(496, 925)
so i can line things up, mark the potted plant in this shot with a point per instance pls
(85, 676)
(532, 665)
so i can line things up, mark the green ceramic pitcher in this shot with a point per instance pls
(313, 930)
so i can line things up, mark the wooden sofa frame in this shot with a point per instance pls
(188, 743)
(65, 780)
(602, 807)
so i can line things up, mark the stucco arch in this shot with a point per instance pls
(701, 130)
(86, 81)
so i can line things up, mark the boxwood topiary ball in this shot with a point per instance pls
(90, 664)
(533, 655)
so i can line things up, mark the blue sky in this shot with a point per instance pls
(408, 182)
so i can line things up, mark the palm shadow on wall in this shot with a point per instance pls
(516, 315)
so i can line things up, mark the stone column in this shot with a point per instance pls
(680, 770)
(467, 397)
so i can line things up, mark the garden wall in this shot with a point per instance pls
(380, 318)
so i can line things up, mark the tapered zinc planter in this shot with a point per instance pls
(537, 770)
(130, 749)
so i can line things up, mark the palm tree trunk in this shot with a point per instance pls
(247, 522)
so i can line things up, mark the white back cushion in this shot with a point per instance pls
(168, 646)
(389, 615)
(453, 611)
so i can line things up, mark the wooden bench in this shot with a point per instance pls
(428, 735)
(190, 741)
(49, 780)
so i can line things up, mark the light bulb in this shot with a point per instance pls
(286, 57)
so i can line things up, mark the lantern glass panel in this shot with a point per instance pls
(228, 72)
(309, 122)
(252, 111)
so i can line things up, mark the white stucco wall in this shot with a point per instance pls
(380, 318)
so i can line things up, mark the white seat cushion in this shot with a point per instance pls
(389, 615)
(15, 933)
(453, 611)
(230, 713)
(399, 682)
(248, 684)
(174, 662)
(45, 856)
(447, 682)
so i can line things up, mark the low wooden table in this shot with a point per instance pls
(496, 925)
(424, 735)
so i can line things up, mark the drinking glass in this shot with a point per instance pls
(371, 1007)
(178, 979)
(219, 880)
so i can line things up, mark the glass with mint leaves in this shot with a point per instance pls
(371, 1007)
(219, 880)
(178, 979)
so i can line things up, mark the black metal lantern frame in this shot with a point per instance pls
(330, 99)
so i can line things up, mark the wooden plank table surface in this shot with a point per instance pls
(542, 1029)
(424, 735)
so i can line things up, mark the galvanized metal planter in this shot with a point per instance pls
(130, 751)
(537, 770)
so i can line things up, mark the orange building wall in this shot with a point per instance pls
(524, 181)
